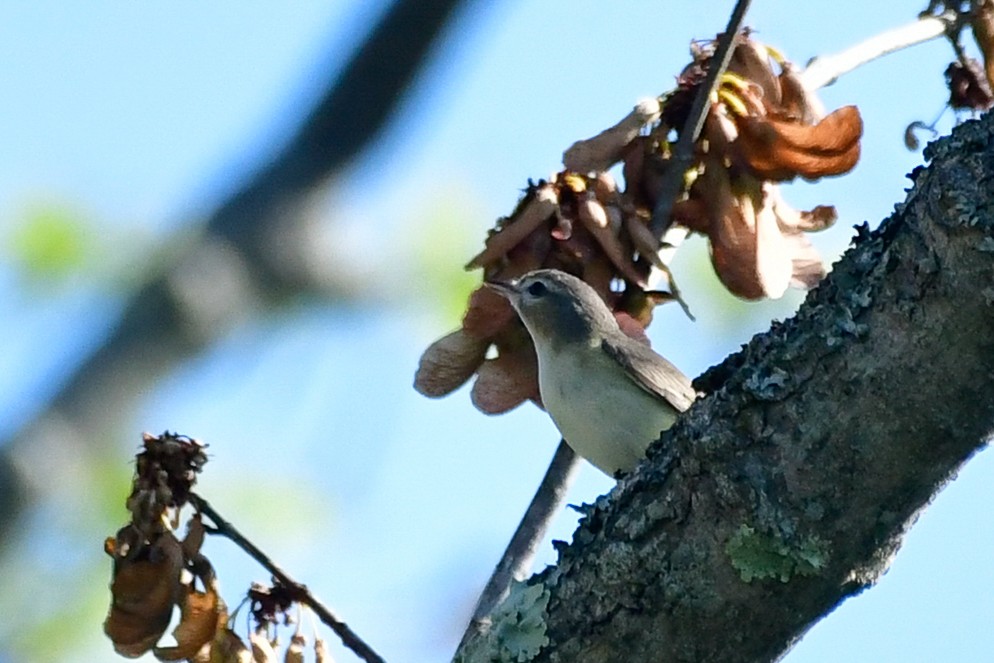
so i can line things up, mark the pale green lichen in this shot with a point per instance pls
(518, 630)
(758, 556)
(768, 385)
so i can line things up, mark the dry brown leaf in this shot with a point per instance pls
(693, 214)
(488, 313)
(194, 539)
(538, 207)
(796, 103)
(605, 187)
(606, 148)
(778, 150)
(226, 647)
(262, 648)
(321, 654)
(793, 220)
(751, 61)
(594, 218)
(202, 617)
(448, 363)
(295, 651)
(807, 269)
(143, 591)
(747, 246)
(507, 381)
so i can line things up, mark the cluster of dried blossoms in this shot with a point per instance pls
(969, 84)
(154, 571)
(763, 128)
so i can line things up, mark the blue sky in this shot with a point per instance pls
(392, 507)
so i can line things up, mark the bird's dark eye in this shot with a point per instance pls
(537, 289)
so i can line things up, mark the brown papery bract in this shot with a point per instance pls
(448, 363)
(780, 150)
(508, 380)
(145, 587)
(202, 615)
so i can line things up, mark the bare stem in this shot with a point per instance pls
(683, 154)
(301, 593)
(516, 562)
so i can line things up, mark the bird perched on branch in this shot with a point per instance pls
(609, 395)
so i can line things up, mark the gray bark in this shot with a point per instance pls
(790, 486)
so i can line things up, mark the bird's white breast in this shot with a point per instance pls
(603, 415)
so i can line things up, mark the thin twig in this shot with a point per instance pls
(683, 153)
(516, 561)
(227, 530)
(825, 69)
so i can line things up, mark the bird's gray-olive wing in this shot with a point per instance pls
(651, 372)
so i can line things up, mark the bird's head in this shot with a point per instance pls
(557, 307)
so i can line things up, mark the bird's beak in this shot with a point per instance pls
(508, 289)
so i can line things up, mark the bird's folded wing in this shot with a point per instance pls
(652, 373)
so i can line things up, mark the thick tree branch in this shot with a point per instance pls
(791, 485)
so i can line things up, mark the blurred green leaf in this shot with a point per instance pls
(450, 233)
(51, 241)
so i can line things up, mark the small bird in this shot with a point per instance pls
(609, 395)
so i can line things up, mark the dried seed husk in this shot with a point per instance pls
(449, 363)
(600, 152)
(531, 215)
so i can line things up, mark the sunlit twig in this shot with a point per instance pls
(300, 592)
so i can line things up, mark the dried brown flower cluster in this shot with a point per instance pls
(969, 84)
(763, 128)
(154, 571)
(149, 561)
(574, 223)
(968, 88)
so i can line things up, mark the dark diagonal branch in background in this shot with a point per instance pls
(683, 153)
(255, 251)
(300, 592)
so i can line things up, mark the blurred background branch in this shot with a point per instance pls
(255, 252)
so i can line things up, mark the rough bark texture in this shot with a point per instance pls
(790, 487)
